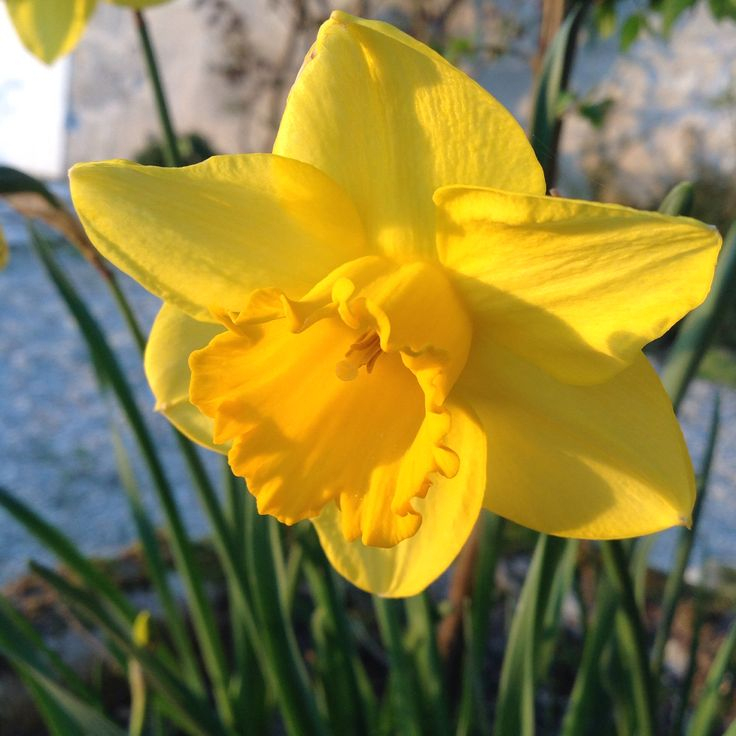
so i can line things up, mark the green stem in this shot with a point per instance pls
(171, 150)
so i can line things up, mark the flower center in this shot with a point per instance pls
(365, 351)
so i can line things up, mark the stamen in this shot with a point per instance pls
(365, 351)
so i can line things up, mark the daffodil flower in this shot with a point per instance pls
(51, 28)
(388, 326)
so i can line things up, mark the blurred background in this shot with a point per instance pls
(652, 101)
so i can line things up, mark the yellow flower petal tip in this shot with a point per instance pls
(386, 325)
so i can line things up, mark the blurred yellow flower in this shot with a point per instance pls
(387, 325)
(51, 28)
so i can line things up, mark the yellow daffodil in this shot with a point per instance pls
(51, 28)
(388, 326)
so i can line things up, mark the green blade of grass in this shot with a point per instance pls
(707, 711)
(31, 659)
(472, 717)
(18, 637)
(189, 710)
(157, 568)
(421, 646)
(699, 327)
(631, 638)
(685, 688)
(679, 200)
(338, 663)
(402, 696)
(68, 553)
(267, 578)
(110, 371)
(675, 578)
(582, 705)
(551, 85)
(515, 702)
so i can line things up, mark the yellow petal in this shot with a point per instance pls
(342, 403)
(207, 235)
(391, 121)
(448, 512)
(575, 287)
(50, 28)
(174, 336)
(600, 462)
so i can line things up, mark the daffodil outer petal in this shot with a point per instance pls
(391, 121)
(50, 28)
(207, 235)
(605, 461)
(174, 336)
(342, 401)
(576, 287)
(448, 511)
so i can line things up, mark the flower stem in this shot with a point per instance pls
(171, 149)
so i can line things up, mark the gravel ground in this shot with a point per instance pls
(55, 444)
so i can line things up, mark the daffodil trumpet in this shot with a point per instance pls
(387, 325)
(50, 29)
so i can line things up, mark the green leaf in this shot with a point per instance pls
(707, 711)
(515, 702)
(675, 578)
(109, 370)
(267, 582)
(551, 87)
(605, 18)
(402, 696)
(472, 717)
(631, 29)
(699, 328)
(723, 9)
(595, 112)
(630, 636)
(13, 181)
(671, 10)
(679, 200)
(68, 553)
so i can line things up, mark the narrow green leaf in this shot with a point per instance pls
(707, 711)
(583, 704)
(405, 715)
(156, 567)
(421, 645)
(13, 181)
(53, 540)
(699, 327)
(267, 582)
(472, 715)
(630, 635)
(188, 709)
(551, 87)
(686, 685)
(110, 371)
(17, 634)
(675, 578)
(515, 702)
(679, 200)
(349, 709)
(630, 30)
